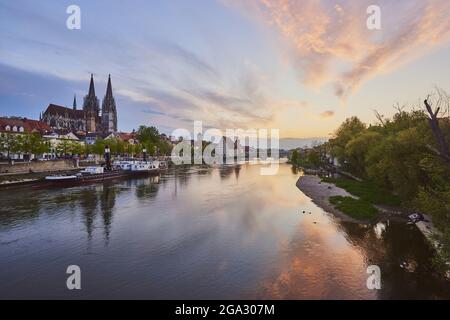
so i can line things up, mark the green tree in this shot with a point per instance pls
(314, 158)
(148, 134)
(357, 149)
(346, 132)
(399, 155)
(294, 157)
(75, 148)
(63, 147)
(99, 147)
(9, 143)
(165, 148)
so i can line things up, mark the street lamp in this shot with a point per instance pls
(144, 151)
(108, 158)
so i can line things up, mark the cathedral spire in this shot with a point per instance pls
(74, 102)
(109, 110)
(91, 87)
(91, 108)
(109, 93)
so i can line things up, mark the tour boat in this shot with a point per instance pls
(120, 170)
(155, 164)
(123, 164)
(163, 165)
(141, 166)
(93, 170)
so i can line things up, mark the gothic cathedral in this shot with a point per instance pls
(89, 119)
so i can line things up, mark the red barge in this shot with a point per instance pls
(70, 181)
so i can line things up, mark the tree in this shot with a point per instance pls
(9, 143)
(75, 148)
(63, 147)
(346, 132)
(357, 149)
(165, 148)
(294, 157)
(99, 147)
(313, 158)
(408, 155)
(441, 102)
(36, 144)
(150, 139)
(148, 134)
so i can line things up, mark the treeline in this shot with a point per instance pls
(309, 158)
(407, 155)
(147, 138)
(26, 144)
(400, 155)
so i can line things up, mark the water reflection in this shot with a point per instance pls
(107, 203)
(204, 232)
(391, 243)
(237, 169)
(226, 171)
(148, 188)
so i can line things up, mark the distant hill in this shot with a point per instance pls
(292, 143)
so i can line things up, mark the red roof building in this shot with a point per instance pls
(23, 125)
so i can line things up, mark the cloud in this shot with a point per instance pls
(332, 45)
(327, 114)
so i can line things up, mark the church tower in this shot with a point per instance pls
(74, 106)
(91, 108)
(109, 111)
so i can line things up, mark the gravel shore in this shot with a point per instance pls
(320, 192)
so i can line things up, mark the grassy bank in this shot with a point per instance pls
(355, 208)
(366, 191)
(368, 195)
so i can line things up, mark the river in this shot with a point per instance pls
(203, 233)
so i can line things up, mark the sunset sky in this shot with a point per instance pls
(302, 66)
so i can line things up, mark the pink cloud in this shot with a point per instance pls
(330, 44)
(327, 114)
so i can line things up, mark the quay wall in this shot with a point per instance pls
(39, 166)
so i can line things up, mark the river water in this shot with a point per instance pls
(203, 233)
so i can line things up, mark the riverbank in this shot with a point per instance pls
(320, 193)
(332, 196)
(432, 234)
(37, 166)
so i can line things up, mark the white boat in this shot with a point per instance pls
(60, 178)
(93, 170)
(155, 164)
(141, 166)
(163, 165)
(134, 165)
(124, 165)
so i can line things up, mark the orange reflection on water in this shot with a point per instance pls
(310, 272)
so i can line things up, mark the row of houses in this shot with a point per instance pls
(21, 126)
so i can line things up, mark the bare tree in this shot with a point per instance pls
(399, 107)
(437, 106)
(379, 117)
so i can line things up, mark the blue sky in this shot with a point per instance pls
(300, 66)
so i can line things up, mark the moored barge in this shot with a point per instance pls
(87, 176)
